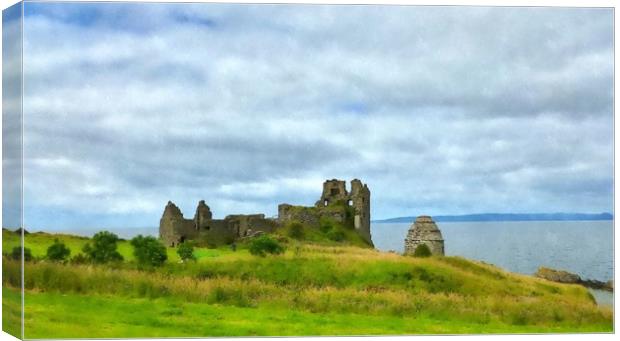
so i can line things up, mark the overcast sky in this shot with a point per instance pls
(440, 110)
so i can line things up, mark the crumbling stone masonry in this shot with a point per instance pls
(336, 203)
(174, 229)
(424, 231)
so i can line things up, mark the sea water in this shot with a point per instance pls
(582, 247)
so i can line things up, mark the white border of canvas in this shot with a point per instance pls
(564, 3)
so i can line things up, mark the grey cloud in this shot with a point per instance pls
(440, 109)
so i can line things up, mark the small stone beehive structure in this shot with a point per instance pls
(424, 231)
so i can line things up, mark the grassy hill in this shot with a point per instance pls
(38, 243)
(312, 289)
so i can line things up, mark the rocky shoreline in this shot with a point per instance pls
(561, 276)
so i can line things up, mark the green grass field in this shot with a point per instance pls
(309, 290)
(39, 242)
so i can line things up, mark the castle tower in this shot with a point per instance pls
(424, 231)
(203, 215)
(333, 191)
(360, 200)
(173, 228)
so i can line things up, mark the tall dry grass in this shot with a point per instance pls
(343, 280)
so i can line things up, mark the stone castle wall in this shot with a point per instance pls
(311, 215)
(336, 204)
(216, 232)
(244, 225)
(175, 229)
(360, 197)
(305, 215)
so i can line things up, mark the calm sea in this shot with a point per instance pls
(582, 247)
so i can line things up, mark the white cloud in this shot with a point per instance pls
(440, 109)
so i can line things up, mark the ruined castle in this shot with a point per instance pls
(349, 208)
(336, 203)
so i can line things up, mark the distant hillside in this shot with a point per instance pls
(507, 217)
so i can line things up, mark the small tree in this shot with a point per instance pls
(336, 235)
(79, 259)
(264, 244)
(58, 252)
(16, 253)
(325, 227)
(422, 251)
(103, 249)
(185, 250)
(296, 231)
(148, 251)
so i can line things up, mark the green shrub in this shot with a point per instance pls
(326, 227)
(80, 258)
(296, 231)
(58, 252)
(103, 249)
(422, 251)
(16, 253)
(261, 245)
(336, 235)
(185, 251)
(282, 239)
(148, 251)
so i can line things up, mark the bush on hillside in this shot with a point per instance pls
(103, 248)
(296, 231)
(80, 258)
(422, 251)
(336, 235)
(16, 253)
(264, 244)
(58, 252)
(185, 251)
(325, 227)
(148, 251)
